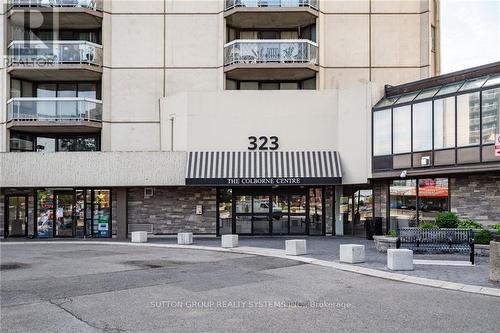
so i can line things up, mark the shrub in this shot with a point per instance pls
(447, 220)
(482, 237)
(428, 225)
(496, 226)
(393, 233)
(469, 224)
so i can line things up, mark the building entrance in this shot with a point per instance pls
(271, 211)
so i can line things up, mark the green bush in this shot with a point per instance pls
(482, 237)
(496, 226)
(428, 225)
(393, 233)
(469, 224)
(447, 220)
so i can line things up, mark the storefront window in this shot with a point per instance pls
(315, 211)
(402, 129)
(225, 211)
(102, 213)
(363, 210)
(243, 204)
(432, 198)
(80, 213)
(444, 123)
(45, 213)
(382, 132)
(491, 114)
(422, 126)
(468, 119)
(403, 203)
(280, 214)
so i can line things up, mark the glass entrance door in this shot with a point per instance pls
(65, 220)
(17, 220)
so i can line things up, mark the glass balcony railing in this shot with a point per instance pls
(90, 4)
(54, 109)
(45, 53)
(230, 4)
(251, 51)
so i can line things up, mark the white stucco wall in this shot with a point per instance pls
(92, 169)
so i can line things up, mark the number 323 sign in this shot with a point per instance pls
(263, 143)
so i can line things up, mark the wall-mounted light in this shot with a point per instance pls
(403, 174)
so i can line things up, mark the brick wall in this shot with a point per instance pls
(173, 209)
(476, 197)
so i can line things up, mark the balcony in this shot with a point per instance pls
(270, 13)
(273, 59)
(57, 115)
(77, 14)
(55, 60)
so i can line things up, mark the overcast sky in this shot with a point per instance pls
(470, 33)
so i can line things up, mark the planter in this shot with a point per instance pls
(481, 250)
(382, 243)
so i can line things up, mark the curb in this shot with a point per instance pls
(266, 252)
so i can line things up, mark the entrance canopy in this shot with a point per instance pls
(263, 168)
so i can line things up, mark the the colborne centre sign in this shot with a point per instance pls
(264, 181)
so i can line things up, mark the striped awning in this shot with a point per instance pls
(263, 168)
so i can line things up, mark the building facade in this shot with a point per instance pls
(239, 116)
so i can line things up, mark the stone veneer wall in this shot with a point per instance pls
(173, 209)
(476, 197)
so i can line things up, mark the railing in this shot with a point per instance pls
(45, 53)
(252, 51)
(271, 3)
(54, 109)
(91, 4)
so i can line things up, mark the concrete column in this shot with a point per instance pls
(339, 223)
(495, 261)
(121, 213)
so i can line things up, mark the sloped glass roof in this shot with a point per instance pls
(440, 90)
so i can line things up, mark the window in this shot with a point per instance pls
(491, 114)
(51, 143)
(432, 198)
(402, 129)
(422, 126)
(468, 119)
(444, 123)
(382, 132)
(309, 84)
(433, 38)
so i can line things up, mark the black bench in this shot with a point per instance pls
(436, 240)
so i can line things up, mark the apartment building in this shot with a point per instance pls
(238, 116)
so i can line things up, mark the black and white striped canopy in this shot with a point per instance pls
(263, 168)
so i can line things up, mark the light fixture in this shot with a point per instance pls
(403, 174)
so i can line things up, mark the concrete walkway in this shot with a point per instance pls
(323, 251)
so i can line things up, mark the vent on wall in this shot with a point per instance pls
(148, 192)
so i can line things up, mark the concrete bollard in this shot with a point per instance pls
(495, 261)
(229, 241)
(139, 237)
(400, 259)
(352, 253)
(295, 247)
(185, 238)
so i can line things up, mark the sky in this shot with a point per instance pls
(470, 33)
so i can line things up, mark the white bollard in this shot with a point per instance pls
(229, 241)
(139, 236)
(295, 247)
(352, 253)
(185, 238)
(400, 259)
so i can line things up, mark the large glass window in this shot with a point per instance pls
(468, 119)
(432, 198)
(444, 123)
(225, 211)
(402, 129)
(21, 142)
(490, 117)
(45, 213)
(382, 132)
(422, 126)
(53, 143)
(403, 203)
(102, 213)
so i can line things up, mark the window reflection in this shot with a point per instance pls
(444, 123)
(422, 126)
(403, 203)
(468, 119)
(432, 198)
(402, 129)
(382, 132)
(490, 117)
(45, 213)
